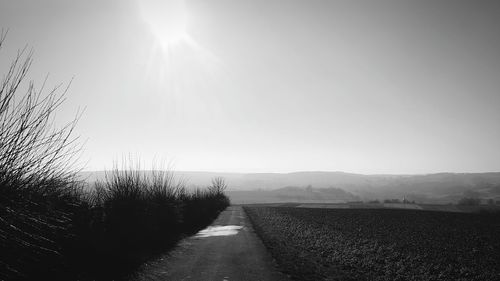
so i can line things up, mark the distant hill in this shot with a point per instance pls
(292, 194)
(429, 188)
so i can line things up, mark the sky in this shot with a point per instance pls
(371, 87)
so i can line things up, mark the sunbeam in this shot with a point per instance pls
(177, 62)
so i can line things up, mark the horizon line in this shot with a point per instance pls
(306, 171)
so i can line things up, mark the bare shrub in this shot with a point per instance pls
(138, 213)
(49, 228)
(38, 191)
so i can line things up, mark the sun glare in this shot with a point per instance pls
(178, 66)
(167, 20)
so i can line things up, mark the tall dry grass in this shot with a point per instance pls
(38, 191)
(51, 228)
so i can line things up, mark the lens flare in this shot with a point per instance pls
(179, 68)
(166, 19)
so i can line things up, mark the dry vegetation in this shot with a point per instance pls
(50, 228)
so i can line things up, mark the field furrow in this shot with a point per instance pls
(380, 244)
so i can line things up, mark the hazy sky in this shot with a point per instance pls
(273, 86)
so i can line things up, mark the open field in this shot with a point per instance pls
(408, 206)
(423, 207)
(380, 244)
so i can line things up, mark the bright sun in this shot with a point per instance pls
(177, 63)
(167, 20)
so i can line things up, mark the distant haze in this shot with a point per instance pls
(338, 186)
(364, 86)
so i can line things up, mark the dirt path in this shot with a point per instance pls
(227, 250)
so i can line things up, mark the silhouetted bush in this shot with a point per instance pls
(38, 191)
(135, 215)
(50, 229)
(202, 206)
